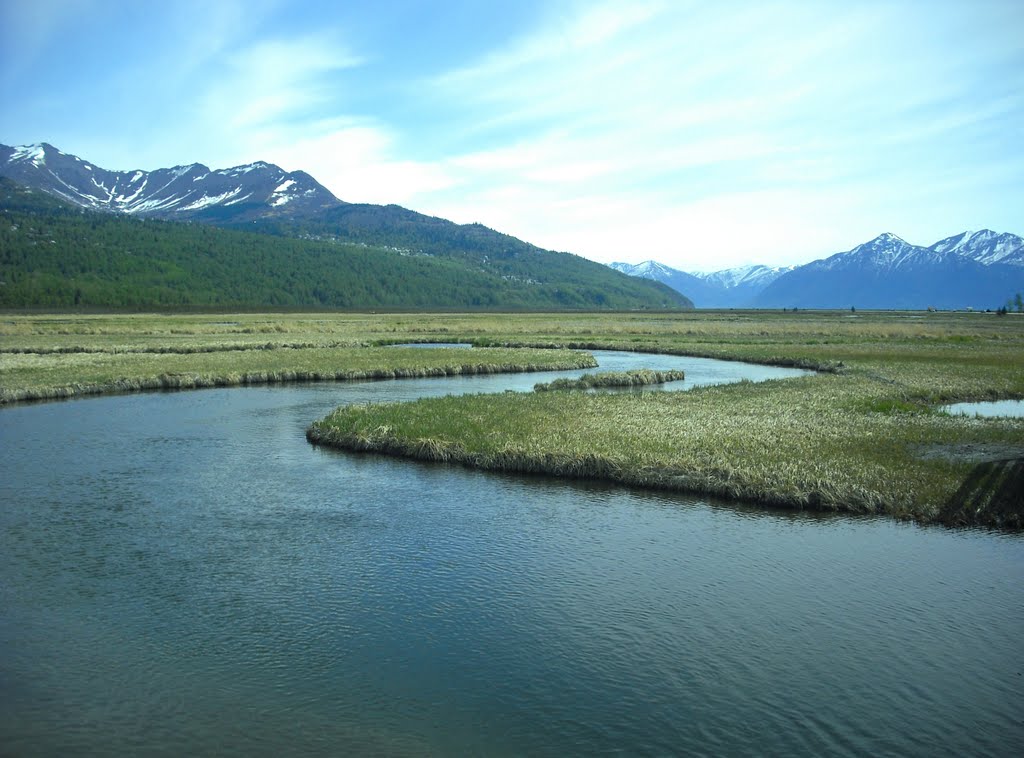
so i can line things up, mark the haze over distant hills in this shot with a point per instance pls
(977, 270)
(729, 288)
(309, 249)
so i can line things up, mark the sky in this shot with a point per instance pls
(704, 135)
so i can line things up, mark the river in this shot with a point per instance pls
(181, 573)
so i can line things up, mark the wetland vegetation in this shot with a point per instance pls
(612, 379)
(863, 435)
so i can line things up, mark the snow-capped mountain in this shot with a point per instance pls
(703, 294)
(729, 288)
(985, 247)
(889, 272)
(180, 193)
(885, 253)
(756, 276)
(263, 198)
(973, 269)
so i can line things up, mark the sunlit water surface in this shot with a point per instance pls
(992, 408)
(181, 573)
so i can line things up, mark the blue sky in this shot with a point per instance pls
(703, 135)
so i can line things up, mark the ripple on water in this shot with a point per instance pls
(194, 578)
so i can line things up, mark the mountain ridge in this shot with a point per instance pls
(980, 269)
(262, 198)
(182, 193)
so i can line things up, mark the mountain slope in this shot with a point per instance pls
(888, 272)
(53, 254)
(746, 279)
(181, 193)
(972, 269)
(263, 198)
(985, 247)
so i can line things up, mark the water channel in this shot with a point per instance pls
(181, 573)
(988, 409)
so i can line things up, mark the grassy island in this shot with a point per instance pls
(612, 379)
(52, 357)
(865, 434)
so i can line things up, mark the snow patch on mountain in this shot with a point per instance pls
(123, 200)
(886, 252)
(752, 275)
(34, 153)
(206, 201)
(178, 192)
(986, 247)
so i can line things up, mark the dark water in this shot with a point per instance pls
(183, 574)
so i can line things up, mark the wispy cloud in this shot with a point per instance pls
(768, 132)
(276, 79)
(756, 130)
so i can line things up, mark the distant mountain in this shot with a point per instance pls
(261, 197)
(888, 272)
(729, 288)
(973, 269)
(752, 278)
(696, 289)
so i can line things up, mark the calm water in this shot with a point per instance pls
(1012, 408)
(182, 573)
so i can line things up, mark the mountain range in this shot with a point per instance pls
(182, 193)
(729, 288)
(980, 270)
(305, 247)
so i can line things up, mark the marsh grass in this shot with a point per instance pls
(794, 443)
(848, 438)
(612, 379)
(32, 376)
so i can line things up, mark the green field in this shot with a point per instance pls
(863, 435)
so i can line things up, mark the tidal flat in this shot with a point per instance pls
(863, 435)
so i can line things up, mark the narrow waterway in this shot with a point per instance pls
(181, 573)
(988, 409)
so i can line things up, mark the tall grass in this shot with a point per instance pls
(861, 436)
(31, 376)
(608, 379)
(803, 443)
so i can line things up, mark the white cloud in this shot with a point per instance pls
(742, 132)
(772, 133)
(358, 163)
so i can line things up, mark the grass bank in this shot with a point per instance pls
(863, 436)
(823, 442)
(38, 376)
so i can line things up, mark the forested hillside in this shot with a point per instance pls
(57, 255)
